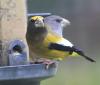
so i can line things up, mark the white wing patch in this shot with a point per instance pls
(65, 42)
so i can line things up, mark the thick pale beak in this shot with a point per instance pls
(38, 21)
(65, 22)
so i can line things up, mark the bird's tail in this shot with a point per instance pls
(77, 52)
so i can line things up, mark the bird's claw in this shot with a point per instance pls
(48, 63)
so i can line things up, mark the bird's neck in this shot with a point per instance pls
(36, 34)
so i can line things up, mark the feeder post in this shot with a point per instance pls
(13, 25)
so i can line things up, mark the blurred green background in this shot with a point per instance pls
(84, 32)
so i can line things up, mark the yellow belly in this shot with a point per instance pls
(42, 50)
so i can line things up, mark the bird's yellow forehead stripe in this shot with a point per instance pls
(36, 17)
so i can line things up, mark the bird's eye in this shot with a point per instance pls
(58, 20)
(32, 20)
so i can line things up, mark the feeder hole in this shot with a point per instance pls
(17, 48)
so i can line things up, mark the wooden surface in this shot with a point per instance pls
(13, 23)
(12, 19)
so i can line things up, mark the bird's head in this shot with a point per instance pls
(56, 23)
(37, 21)
(57, 20)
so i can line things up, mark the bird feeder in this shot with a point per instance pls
(15, 68)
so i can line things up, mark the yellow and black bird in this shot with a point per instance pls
(45, 38)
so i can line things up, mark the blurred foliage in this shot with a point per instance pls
(83, 32)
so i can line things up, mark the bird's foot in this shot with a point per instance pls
(47, 62)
